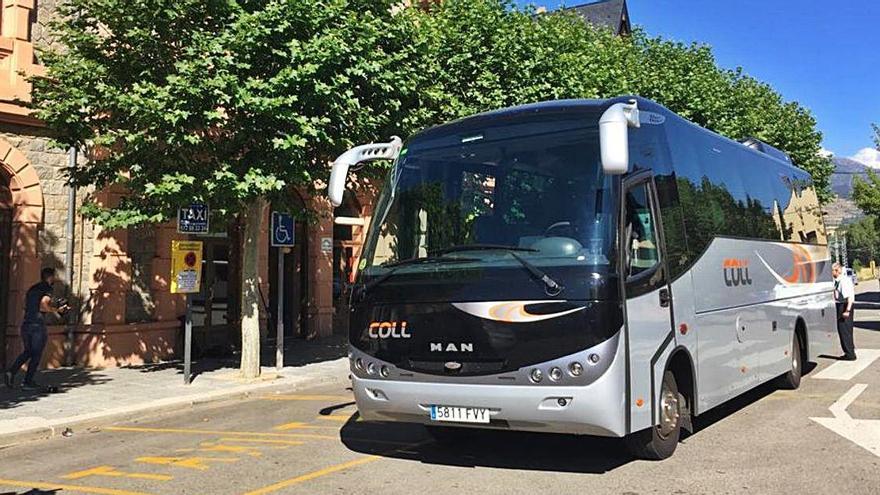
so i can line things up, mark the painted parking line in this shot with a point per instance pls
(111, 472)
(193, 431)
(307, 397)
(314, 474)
(298, 425)
(196, 462)
(283, 443)
(330, 470)
(341, 419)
(39, 485)
(847, 370)
(863, 432)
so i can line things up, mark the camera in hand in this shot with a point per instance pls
(61, 303)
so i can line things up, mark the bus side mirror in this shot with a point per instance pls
(358, 154)
(614, 127)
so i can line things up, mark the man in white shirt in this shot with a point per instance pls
(844, 298)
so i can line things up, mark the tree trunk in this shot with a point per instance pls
(250, 292)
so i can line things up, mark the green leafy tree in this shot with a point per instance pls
(233, 102)
(228, 102)
(866, 193)
(485, 54)
(863, 239)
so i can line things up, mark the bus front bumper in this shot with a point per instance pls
(594, 409)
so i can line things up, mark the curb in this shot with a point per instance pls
(333, 375)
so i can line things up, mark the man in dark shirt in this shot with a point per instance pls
(37, 302)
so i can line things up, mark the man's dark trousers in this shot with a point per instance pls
(845, 330)
(34, 337)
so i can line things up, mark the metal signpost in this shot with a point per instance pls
(186, 278)
(282, 238)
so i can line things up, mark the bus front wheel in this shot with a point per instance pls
(659, 442)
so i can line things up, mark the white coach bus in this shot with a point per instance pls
(596, 267)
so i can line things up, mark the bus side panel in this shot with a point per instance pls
(748, 296)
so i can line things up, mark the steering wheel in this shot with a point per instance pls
(556, 226)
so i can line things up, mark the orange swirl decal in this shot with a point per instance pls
(511, 311)
(802, 269)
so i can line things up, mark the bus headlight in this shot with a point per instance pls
(575, 368)
(371, 368)
(594, 359)
(384, 371)
(555, 374)
(359, 364)
(536, 375)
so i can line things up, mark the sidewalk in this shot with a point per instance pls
(90, 398)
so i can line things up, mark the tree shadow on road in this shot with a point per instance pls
(873, 325)
(33, 491)
(64, 379)
(297, 352)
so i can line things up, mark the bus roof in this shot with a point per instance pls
(576, 106)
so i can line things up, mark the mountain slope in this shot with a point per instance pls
(844, 170)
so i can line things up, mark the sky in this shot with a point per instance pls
(823, 54)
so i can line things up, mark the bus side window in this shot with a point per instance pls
(641, 236)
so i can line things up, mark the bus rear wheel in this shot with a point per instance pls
(791, 380)
(659, 442)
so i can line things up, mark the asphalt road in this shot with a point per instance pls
(312, 442)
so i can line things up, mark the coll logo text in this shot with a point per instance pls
(388, 330)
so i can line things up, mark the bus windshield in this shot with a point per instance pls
(495, 198)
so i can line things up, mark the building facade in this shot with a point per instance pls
(124, 312)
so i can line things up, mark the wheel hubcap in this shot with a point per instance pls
(669, 412)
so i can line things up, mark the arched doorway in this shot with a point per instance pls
(5, 252)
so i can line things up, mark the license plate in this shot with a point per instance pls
(460, 414)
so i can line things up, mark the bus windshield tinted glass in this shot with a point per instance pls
(541, 196)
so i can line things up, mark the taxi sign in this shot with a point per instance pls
(193, 219)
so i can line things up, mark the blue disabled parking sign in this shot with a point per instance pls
(282, 229)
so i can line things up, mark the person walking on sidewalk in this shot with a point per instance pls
(37, 302)
(844, 298)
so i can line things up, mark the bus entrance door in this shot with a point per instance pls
(648, 299)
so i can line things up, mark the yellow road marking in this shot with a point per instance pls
(200, 463)
(328, 470)
(298, 425)
(340, 418)
(314, 474)
(234, 449)
(74, 488)
(308, 397)
(114, 473)
(263, 440)
(191, 431)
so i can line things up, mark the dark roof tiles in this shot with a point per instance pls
(605, 13)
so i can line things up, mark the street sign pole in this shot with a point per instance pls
(187, 343)
(281, 238)
(279, 310)
(186, 279)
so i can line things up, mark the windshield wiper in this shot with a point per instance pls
(407, 262)
(551, 287)
(480, 247)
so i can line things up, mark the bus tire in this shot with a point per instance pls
(791, 380)
(659, 441)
